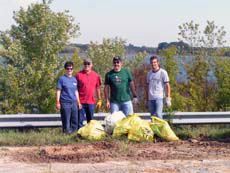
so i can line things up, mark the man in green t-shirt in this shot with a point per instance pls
(118, 82)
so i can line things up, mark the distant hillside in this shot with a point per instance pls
(129, 49)
(184, 48)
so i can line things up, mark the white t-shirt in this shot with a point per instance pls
(156, 82)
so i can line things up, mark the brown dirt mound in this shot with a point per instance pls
(113, 151)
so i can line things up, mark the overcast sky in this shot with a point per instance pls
(139, 22)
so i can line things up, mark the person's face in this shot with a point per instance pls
(155, 64)
(69, 70)
(117, 65)
(87, 66)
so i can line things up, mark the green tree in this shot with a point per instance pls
(210, 37)
(139, 72)
(222, 73)
(190, 34)
(170, 64)
(214, 35)
(135, 61)
(102, 54)
(31, 48)
(202, 44)
(77, 60)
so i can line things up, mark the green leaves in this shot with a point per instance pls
(222, 73)
(204, 40)
(205, 44)
(214, 35)
(102, 54)
(32, 64)
(190, 33)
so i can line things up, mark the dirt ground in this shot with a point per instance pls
(116, 151)
(192, 156)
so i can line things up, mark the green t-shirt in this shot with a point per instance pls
(119, 85)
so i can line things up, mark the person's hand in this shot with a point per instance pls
(107, 104)
(135, 100)
(98, 106)
(168, 102)
(58, 105)
(79, 106)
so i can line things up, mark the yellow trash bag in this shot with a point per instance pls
(141, 131)
(92, 131)
(162, 129)
(122, 126)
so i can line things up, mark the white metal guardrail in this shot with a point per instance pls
(54, 120)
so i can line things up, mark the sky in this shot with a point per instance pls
(139, 22)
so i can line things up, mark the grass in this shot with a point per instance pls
(46, 136)
(210, 132)
(54, 136)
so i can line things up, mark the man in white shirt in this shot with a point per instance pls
(157, 82)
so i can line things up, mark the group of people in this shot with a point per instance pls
(75, 94)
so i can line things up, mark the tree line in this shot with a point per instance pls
(31, 62)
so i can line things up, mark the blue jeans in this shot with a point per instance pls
(125, 107)
(156, 107)
(69, 117)
(88, 110)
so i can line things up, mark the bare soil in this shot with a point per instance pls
(102, 151)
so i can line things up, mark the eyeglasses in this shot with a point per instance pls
(86, 63)
(69, 68)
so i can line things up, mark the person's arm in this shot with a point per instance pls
(106, 93)
(146, 92)
(168, 89)
(168, 95)
(58, 93)
(78, 100)
(146, 95)
(98, 93)
(132, 87)
(99, 101)
(98, 90)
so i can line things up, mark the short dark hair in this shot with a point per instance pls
(68, 64)
(153, 57)
(88, 60)
(117, 58)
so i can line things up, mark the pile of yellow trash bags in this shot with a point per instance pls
(132, 126)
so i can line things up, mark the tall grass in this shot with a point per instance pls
(210, 132)
(46, 136)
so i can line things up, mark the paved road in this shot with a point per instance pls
(167, 166)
